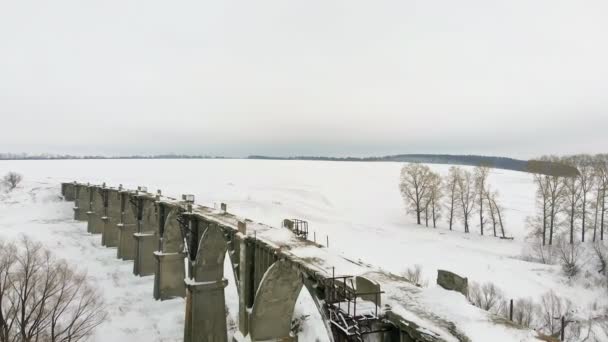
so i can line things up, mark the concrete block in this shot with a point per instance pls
(366, 289)
(109, 237)
(126, 242)
(145, 246)
(82, 203)
(95, 223)
(452, 281)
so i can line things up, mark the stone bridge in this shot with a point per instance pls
(183, 246)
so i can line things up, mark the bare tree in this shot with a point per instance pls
(584, 164)
(11, 180)
(495, 211)
(451, 189)
(42, 299)
(481, 178)
(415, 184)
(466, 194)
(600, 166)
(572, 192)
(433, 199)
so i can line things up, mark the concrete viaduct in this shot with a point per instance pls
(183, 246)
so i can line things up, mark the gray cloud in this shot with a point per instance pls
(518, 78)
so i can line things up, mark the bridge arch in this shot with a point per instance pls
(275, 302)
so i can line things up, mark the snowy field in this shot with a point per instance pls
(356, 205)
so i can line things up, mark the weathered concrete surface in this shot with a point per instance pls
(205, 302)
(364, 286)
(109, 237)
(170, 265)
(452, 281)
(68, 191)
(126, 228)
(97, 211)
(146, 237)
(275, 301)
(83, 202)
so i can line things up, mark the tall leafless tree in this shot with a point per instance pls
(481, 179)
(433, 203)
(451, 191)
(466, 194)
(416, 181)
(572, 192)
(584, 163)
(601, 171)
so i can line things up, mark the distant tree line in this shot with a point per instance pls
(460, 194)
(532, 166)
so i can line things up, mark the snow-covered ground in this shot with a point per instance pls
(357, 205)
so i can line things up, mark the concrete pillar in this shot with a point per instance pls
(208, 317)
(83, 202)
(146, 237)
(97, 211)
(109, 237)
(68, 191)
(127, 227)
(170, 265)
(246, 280)
(205, 301)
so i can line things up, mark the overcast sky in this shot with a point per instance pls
(315, 77)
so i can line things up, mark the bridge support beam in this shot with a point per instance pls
(169, 276)
(206, 320)
(68, 191)
(146, 239)
(170, 264)
(82, 203)
(95, 223)
(109, 235)
(246, 280)
(126, 228)
(145, 246)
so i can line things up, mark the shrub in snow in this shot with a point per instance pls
(552, 309)
(525, 311)
(42, 299)
(535, 251)
(487, 297)
(569, 255)
(414, 275)
(11, 180)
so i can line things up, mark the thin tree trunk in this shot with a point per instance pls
(584, 216)
(481, 209)
(502, 227)
(597, 209)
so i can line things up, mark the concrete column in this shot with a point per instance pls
(170, 263)
(83, 202)
(109, 237)
(146, 238)
(97, 211)
(126, 228)
(205, 301)
(68, 191)
(207, 321)
(246, 280)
